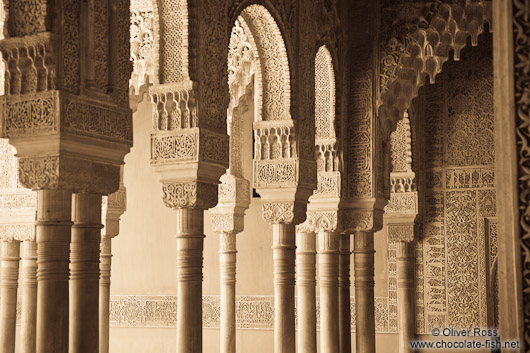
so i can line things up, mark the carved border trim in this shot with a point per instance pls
(521, 34)
(252, 312)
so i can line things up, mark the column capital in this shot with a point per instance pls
(68, 173)
(323, 221)
(113, 206)
(189, 195)
(365, 215)
(227, 223)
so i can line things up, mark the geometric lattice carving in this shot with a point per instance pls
(458, 169)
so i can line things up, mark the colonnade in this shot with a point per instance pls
(66, 284)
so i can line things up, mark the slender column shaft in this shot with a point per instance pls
(328, 270)
(190, 239)
(104, 293)
(306, 292)
(364, 292)
(84, 274)
(8, 297)
(344, 295)
(406, 295)
(284, 282)
(29, 297)
(227, 274)
(54, 212)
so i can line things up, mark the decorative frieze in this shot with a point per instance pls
(252, 312)
(52, 112)
(70, 173)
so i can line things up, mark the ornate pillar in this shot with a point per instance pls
(112, 208)
(400, 217)
(366, 193)
(305, 288)
(17, 230)
(344, 294)
(364, 222)
(84, 273)
(10, 256)
(29, 296)
(325, 223)
(227, 220)
(189, 145)
(73, 104)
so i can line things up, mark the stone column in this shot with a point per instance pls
(364, 291)
(105, 258)
(53, 250)
(29, 297)
(406, 294)
(228, 220)
(84, 274)
(227, 279)
(82, 128)
(190, 238)
(10, 250)
(283, 247)
(112, 208)
(400, 216)
(344, 294)
(306, 288)
(363, 218)
(328, 272)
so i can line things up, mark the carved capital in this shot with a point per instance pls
(189, 195)
(234, 191)
(278, 212)
(113, 206)
(227, 223)
(326, 221)
(69, 173)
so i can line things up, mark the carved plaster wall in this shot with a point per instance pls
(456, 115)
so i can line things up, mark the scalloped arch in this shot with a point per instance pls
(427, 52)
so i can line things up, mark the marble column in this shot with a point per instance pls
(406, 294)
(29, 297)
(227, 219)
(84, 274)
(10, 251)
(54, 212)
(328, 271)
(344, 294)
(112, 207)
(364, 291)
(306, 289)
(227, 279)
(105, 257)
(284, 282)
(190, 239)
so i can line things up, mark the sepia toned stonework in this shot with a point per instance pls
(379, 147)
(458, 172)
